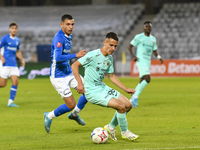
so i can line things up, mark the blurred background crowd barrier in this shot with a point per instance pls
(175, 26)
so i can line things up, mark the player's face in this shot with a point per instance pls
(13, 30)
(147, 28)
(110, 45)
(67, 26)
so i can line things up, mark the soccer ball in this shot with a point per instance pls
(99, 135)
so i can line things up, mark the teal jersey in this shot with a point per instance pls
(145, 46)
(96, 66)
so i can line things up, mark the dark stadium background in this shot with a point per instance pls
(176, 40)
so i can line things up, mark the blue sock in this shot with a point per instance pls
(61, 110)
(81, 102)
(13, 91)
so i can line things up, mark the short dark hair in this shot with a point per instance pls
(147, 22)
(13, 24)
(66, 16)
(112, 35)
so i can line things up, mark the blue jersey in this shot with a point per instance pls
(60, 55)
(9, 45)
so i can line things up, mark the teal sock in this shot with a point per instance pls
(122, 121)
(114, 121)
(140, 88)
(137, 87)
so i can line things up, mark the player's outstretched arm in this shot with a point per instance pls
(81, 53)
(116, 81)
(75, 69)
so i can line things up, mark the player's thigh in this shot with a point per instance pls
(73, 83)
(14, 79)
(62, 86)
(125, 101)
(116, 104)
(3, 82)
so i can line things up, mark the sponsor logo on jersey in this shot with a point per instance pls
(59, 44)
(67, 51)
(11, 48)
(103, 69)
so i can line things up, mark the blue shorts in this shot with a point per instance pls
(101, 96)
(143, 70)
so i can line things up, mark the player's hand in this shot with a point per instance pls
(23, 63)
(130, 91)
(161, 60)
(135, 58)
(81, 53)
(3, 60)
(80, 89)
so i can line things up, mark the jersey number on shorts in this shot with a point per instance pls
(112, 92)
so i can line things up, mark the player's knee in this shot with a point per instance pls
(16, 83)
(71, 106)
(121, 109)
(129, 107)
(148, 80)
(2, 84)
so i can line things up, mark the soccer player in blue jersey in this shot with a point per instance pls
(9, 45)
(97, 63)
(61, 75)
(146, 45)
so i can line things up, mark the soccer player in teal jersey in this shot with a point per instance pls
(9, 44)
(146, 44)
(97, 63)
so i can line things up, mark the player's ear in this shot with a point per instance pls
(104, 43)
(61, 24)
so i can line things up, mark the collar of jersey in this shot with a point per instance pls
(70, 36)
(12, 37)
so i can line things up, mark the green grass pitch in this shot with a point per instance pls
(168, 117)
